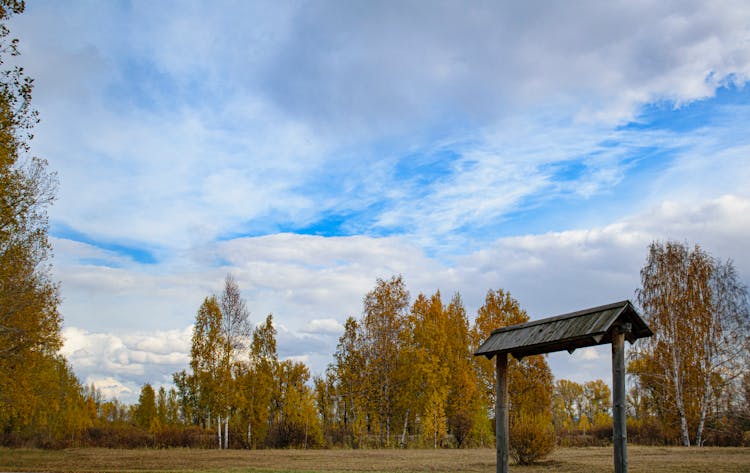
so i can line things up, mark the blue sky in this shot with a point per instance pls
(311, 147)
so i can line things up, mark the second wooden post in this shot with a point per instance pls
(501, 412)
(620, 433)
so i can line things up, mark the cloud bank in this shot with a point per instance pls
(312, 284)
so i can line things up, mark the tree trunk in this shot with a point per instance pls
(704, 408)
(677, 380)
(250, 433)
(307, 422)
(226, 432)
(381, 415)
(218, 430)
(435, 433)
(388, 430)
(403, 434)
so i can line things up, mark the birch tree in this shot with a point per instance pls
(568, 403)
(725, 353)
(426, 370)
(258, 385)
(206, 358)
(698, 310)
(466, 416)
(597, 401)
(349, 373)
(235, 335)
(295, 420)
(384, 315)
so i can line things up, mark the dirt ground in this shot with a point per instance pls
(564, 460)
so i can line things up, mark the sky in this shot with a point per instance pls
(309, 148)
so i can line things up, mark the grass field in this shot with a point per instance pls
(564, 460)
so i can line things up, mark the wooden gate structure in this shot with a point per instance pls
(611, 323)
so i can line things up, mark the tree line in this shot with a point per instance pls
(39, 393)
(402, 374)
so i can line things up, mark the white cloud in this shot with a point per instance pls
(119, 363)
(377, 67)
(310, 283)
(324, 326)
(114, 388)
(305, 359)
(187, 124)
(588, 354)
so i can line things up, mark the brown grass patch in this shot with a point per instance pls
(564, 460)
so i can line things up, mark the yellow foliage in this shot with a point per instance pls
(584, 424)
(602, 420)
(532, 437)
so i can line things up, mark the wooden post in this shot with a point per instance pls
(620, 434)
(501, 412)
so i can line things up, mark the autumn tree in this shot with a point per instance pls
(597, 401)
(348, 372)
(220, 335)
(146, 415)
(187, 397)
(464, 409)
(257, 383)
(167, 407)
(39, 395)
(206, 359)
(441, 383)
(53, 411)
(567, 403)
(384, 315)
(698, 310)
(425, 367)
(29, 320)
(161, 406)
(530, 381)
(295, 421)
(235, 336)
(581, 405)
(326, 401)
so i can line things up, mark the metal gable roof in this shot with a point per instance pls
(579, 329)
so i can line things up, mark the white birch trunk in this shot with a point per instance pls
(218, 423)
(677, 380)
(435, 433)
(704, 408)
(226, 432)
(250, 433)
(403, 434)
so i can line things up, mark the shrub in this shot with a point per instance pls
(532, 437)
(646, 431)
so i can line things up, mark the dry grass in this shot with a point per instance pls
(564, 460)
